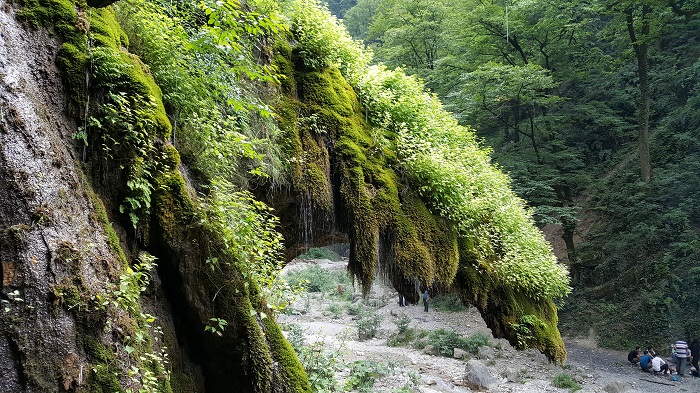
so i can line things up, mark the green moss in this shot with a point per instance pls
(172, 158)
(322, 88)
(105, 29)
(59, 13)
(281, 62)
(68, 296)
(415, 244)
(104, 379)
(112, 238)
(172, 204)
(97, 352)
(291, 369)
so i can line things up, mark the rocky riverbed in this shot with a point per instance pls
(327, 319)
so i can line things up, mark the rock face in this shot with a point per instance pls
(478, 377)
(47, 222)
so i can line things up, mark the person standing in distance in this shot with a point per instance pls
(682, 355)
(425, 300)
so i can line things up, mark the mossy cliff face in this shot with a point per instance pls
(56, 250)
(251, 352)
(74, 327)
(342, 163)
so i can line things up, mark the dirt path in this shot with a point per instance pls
(597, 370)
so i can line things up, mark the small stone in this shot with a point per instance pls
(430, 382)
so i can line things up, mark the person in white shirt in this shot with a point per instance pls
(658, 365)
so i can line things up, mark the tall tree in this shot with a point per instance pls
(643, 21)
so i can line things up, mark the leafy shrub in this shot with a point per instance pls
(317, 279)
(363, 373)
(320, 253)
(566, 381)
(402, 322)
(320, 366)
(335, 309)
(367, 326)
(448, 303)
(356, 309)
(447, 340)
(402, 338)
(323, 39)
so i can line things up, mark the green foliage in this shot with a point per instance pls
(403, 339)
(317, 279)
(320, 253)
(216, 326)
(566, 381)
(409, 33)
(321, 366)
(248, 230)
(210, 78)
(355, 309)
(363, 373)
(148, 367)
(458, 181)
(402, 322)
(445, 341)
(367, 326)
(335, 309)
(323, 40)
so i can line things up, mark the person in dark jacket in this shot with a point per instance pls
(425, 300)
(695, 353)
(633, 356)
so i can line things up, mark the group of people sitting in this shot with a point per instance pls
(681, 354)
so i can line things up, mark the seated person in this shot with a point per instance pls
(633, 356)
(659, 365)
(652, 353)
(645, 361)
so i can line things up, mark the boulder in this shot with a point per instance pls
(478, 377)
(616, 387)
(486, 353)
(511, 374)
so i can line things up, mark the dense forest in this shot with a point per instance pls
(592, 108)
(161, 160)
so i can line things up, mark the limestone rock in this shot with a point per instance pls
(478, 377)
(486, 353)
(511, 374)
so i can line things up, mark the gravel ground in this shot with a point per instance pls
(597, 370)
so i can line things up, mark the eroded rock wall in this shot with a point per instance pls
(45, 215)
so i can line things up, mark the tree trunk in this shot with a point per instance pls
(641, 52)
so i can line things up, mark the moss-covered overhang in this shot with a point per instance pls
(340, 164)
(354, 172)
